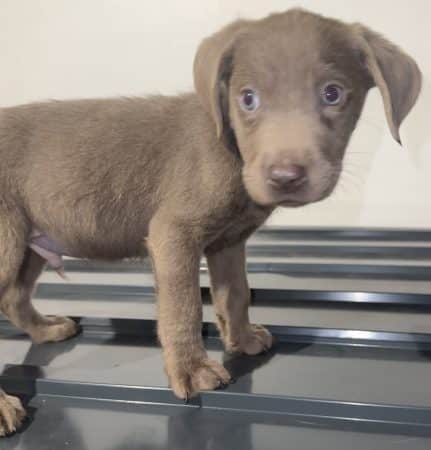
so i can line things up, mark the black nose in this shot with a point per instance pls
(287, 177)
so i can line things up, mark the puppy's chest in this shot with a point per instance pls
(237, 228)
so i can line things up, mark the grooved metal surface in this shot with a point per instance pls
(90, 424)
(336, 365)
(321, 387)
(344, 234)
(259, 296)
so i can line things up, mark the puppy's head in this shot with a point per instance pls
(286, 92)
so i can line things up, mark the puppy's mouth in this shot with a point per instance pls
(305, 194)
(292, 203)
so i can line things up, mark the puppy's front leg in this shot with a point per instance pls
(176, 265)
(231, 298)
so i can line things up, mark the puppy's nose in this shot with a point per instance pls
(287, 177)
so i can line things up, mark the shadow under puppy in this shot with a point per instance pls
(184, 176)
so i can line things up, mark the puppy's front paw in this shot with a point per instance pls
(254, 339)
(187, 380)
(11, 414)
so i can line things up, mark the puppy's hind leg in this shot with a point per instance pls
(19, 269)
(16, 304)
(12, 248)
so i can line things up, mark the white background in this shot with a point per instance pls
(92, 48)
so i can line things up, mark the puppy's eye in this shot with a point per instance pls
(249, 100)
(332, 94)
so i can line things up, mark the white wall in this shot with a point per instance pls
(87, 48)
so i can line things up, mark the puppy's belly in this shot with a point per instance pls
(53, 251)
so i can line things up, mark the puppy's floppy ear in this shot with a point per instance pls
(394, 72)
(212, 67)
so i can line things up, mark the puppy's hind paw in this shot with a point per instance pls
(11, 414)
(55, 329)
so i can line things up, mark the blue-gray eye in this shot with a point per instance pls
(332, 94)
(249, 100)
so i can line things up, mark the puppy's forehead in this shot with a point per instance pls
(295, 45)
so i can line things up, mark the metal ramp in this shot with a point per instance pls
(351, 368)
